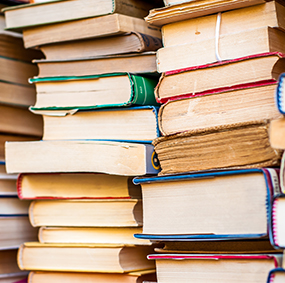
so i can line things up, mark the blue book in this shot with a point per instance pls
(276, 275)
(214, 205)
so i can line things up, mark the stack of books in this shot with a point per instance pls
(16, 124)
(97, 101)
(217, 206)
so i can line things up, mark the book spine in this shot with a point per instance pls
(143, 90)
(280, 94)
(19, 186)
(148, 42)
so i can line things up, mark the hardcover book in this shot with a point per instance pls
(130, 124)
(244, 145)
(83, 258)
(75, 186)
(183, 10)
(276, 275)
(255, 70)
(34, 14)
(91, 156)
(127, 43)
(250, 42)
(136, 63)
(216, 109)
(109, 90)
(73, 277)
(86, 213)
(94, 27)
(218, 205)
(214, 268)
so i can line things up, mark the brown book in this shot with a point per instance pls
(221, 76)
(250, 42)
(20, 121)
(181, 10)
(73, 277)
(236, 146)
(120, 44)
(83, 258)
(60, 11)
(242, 105)
(94, 27)
(129, 63)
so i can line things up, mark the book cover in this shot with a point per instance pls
(273, 192)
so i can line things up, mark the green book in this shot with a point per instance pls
(92, 92)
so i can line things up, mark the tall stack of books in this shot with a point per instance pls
(16, 124)
(217, 206)
(95, 92)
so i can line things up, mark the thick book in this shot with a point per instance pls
(83, 258)
(108, 90)
(91, 156)
(183, 10)
(222, 76)
(127, 43)
(10, 137)
(73, 277)
(15, 230)
(218, 205)
(214, 268)
(90, 28)
(244, 145)
(251, 104)
(75, 186)
(19, 121)
(136, 63)
(91, 235)
(130, 124)
(35, 14)
(86, 213)
(232, 22)
(276, 275)
(250, 42)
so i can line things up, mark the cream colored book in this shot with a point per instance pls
(94, 27)
(86, 213)
(183, 10)
(250, 42)
(83, 258)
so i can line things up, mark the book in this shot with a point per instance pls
(276, 133)
(20, 121)
(91, 156)
(72, 277)
(15, 230)
(182, 10)
(60, 11)
(130, 124)
(218, 205)
(219, 267)
(280, 94)
(7, 183)
(8, 262)
(250, 42)
(108, 90)
(83, 258)
(136, 63)
(8, 137)
(94, 27)
(120, 44)
(232, 22)
(91, 235)
(76, 186)
(12, 206)
(243, 145)
(214, 110)
(220, 76)
(14, 278)
(86, 213)
(276, 275)
(16, 71)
